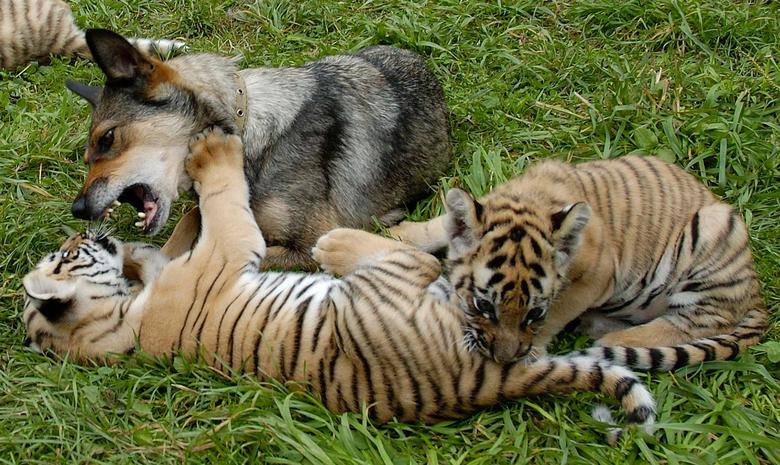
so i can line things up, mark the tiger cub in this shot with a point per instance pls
(35, 29)
(650, 262)
(385, 335)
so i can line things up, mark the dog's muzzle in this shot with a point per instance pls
(92, 202)
(81, 210)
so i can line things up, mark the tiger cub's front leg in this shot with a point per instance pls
(216, 165)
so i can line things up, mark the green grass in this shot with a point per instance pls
(696, 82)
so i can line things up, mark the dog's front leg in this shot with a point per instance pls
(284, 258)
(216, 164)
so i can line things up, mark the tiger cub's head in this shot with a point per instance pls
(72, 295)
(508, 259)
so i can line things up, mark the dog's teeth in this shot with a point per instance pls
(117, 203)
(141, 215)
(110, 211)
(139, 224)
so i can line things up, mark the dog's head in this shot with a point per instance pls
(141, 123)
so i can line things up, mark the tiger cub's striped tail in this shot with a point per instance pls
(723, 347)
(576, 372)
(163, 48)
(158, 48)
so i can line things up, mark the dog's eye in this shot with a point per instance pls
(485, 307)
(106, 141)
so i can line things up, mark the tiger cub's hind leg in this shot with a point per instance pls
(716, 288)
(373, 262)
(657, 333)
(597, 325)
(430, 236)
(343, 250)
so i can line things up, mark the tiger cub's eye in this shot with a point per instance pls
(485, 307)
(535, 314)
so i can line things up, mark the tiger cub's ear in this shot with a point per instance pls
(567, 227)
(463, 221)
(51, 297)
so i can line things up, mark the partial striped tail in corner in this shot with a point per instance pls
(723, 347)
(162, 48)
(158, 48)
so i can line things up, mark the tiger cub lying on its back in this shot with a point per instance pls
(35, 29)
(385, 336)
(654, 266)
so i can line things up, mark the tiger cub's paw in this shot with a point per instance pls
(342, 251)
(429, 236)
(213, 151)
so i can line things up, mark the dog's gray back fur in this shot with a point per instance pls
(357, 135)
(365, 133)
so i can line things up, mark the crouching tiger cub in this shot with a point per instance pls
(385, 335)
(650, 262)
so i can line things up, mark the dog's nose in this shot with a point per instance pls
(79, 208)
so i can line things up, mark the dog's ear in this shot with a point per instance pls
(89, 93)
(116, 57)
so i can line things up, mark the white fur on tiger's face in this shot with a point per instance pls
(91, 278)
(85, 267)
(35, 29)
(650, 262)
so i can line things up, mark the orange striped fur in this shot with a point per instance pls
(636, 250)
(386, 335)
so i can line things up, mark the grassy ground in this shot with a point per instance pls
(696, 82)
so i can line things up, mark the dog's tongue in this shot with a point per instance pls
(150, 208)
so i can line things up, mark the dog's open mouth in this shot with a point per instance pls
(142, 198)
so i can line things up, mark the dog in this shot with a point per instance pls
(332, 143)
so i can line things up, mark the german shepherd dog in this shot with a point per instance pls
(335, 142)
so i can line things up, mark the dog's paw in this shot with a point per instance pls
(343, 250)
(213, 149)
